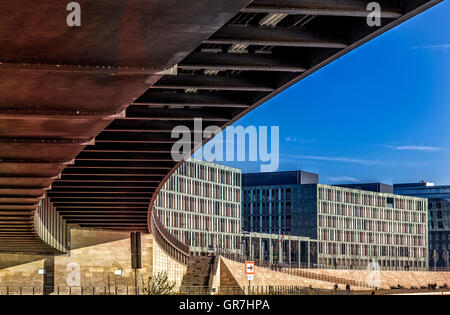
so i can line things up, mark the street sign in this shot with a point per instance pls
(250, 277)
(250, 267)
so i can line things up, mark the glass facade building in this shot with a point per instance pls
(200, 205)
(286, 250)
(439, 218)
(375, 187)
(351, 227)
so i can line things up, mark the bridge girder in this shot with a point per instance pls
(100, 95)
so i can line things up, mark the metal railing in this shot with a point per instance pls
(298, 290)
(171, 246)
(73, 290)
(200, 290)
(195, 290)
(439, 269)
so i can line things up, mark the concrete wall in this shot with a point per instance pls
(233, 275)
(164, 263)
(94, 257)
(19, 270)
(229, 275)
(214, 280)
(99, 254)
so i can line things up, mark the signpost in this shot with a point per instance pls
(250, 272)
(250, 267)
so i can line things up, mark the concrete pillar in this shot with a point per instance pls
(280, 251)
(309, 254)
(289, 253)
(299, 256)
(270, 250)
(261, 256)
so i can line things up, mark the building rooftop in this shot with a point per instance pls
(423, 189)
(375, 187)
(419, 184)
(279, 178)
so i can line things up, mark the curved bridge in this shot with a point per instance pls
(86, 113)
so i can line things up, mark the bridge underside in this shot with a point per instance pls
(60, 86)
(98, 93)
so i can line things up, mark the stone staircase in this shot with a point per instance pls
(196, 279)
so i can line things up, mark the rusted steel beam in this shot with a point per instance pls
(211, 114)
(159, 99)
(253, 35)
(83, 69)
(204, 82)
(240, 62)
(352, 8)
(123, 165)
(57, 114)
(115, 172)
(94, 192)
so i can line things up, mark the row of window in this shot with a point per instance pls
(174, 201)
(440, 236)
(371, 212)
(438, 214)
(267, 208)
(437, 225)
(436, 204)
(194, 187)
(262, 195)
(371, 237)
(371, 250)
(374, 200)
(201, 205)
(274, 223)
(206, 239)
(371, 225)
(443, 247)
(198, 222)
(210, 173)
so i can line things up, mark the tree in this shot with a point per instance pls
(159, 284)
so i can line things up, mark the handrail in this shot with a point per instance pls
(203, 290)
(171, 246)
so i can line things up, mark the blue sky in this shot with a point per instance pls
(381, 113)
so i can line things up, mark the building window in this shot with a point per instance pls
(390, 202)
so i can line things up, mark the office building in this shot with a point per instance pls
(200, 205)
(279, 178)
(439, 218)
(284, 250)
(375, 187)
(352, 227)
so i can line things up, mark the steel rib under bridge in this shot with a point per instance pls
(86, 113)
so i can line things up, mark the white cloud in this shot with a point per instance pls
(433, 47)
(343, 179)
(302, 141)
(289, 139)
(415, 148)
(338, 159)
